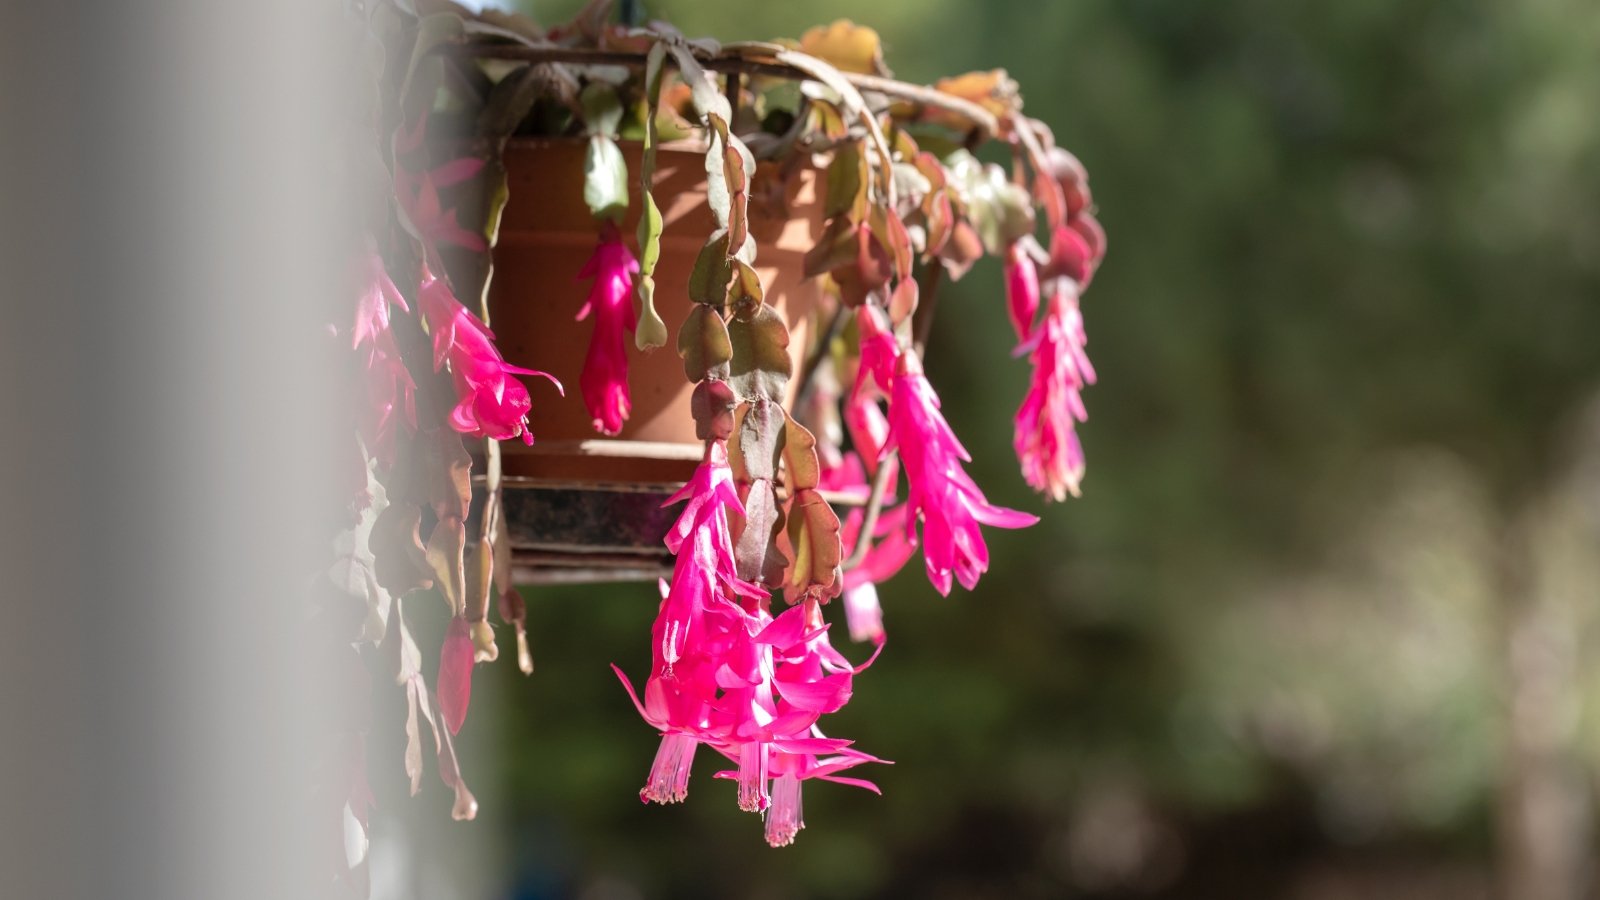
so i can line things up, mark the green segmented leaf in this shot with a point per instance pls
(605, 179)
(445, 554)
(718, 195)
(509, 102)
(744, 291)
(708, 281)
(649, 235)
(800, 454)
(754, 453)
(704, 344)
(651, 333)
(729, 165)
(711, 404)
(814, 535)
(703, 92)
(760, 364)
(846, 179)
(602, 110)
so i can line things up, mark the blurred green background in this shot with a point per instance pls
(1321, 625)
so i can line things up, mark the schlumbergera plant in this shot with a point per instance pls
(741, 655)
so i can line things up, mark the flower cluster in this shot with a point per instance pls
(1045, 437)
(391, 393)
(727, 673)
(490, 403)
(727, 670)
(939, 492)
(605, 369)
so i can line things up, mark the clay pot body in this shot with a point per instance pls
(546, 236)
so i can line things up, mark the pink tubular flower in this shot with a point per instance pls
(1022, 287)
(418, 194)
(939, 490)
(669, 774)
(390, 389)
(784, 819)
(1046, 438)
(491, 403)
(701, 647)
(792, 761)
(863, 614)
(725, 672)
(605, 369)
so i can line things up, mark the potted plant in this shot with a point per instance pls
(732, 253)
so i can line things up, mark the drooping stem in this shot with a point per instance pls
(869, 518)
(733, 59)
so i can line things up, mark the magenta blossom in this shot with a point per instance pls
(725, 672)
(776, 745)
(391, 393)
(790, 762)
(702, 644)
(879, 350)
(1046, 437)
(418, 194)
(491, 403)
(605, 369)
(1022, 287)
(939, 490)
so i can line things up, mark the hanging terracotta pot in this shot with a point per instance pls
(583, 506)
(546, 235)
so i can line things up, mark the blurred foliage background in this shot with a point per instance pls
(1321, 625)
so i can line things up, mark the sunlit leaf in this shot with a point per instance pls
(602, 109)
(800, 454)
(466, 805)
(760, 366)
(605, 179)
(993, 90)
(708, 280)
(754, 452)
(649, 235)
(744, 291)
(903, 302)
(445, 553)
(755, 543)
(711, 405)
(848, 46)
(847, 179)
(737, 165)
(479, 587)
(813, 532)
(718, 193)
(706, 96)
(704, 345)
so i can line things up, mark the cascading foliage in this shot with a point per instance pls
(741, 658)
